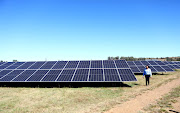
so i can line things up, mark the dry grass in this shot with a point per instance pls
(75, 99)
(164, 105)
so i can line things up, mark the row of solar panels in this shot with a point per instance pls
(67, 71)
(67, 75)
(65, 64)
(156, 66)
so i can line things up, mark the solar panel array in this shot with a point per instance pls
(67, 71)
(156, 66)
(173, 65)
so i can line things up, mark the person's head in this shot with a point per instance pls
(147, 67)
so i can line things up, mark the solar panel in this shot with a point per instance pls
(126, 75)
(153, 69)
(1, 63)
(96, 64)
(4, 72)
(160, 63)
(121, 64)
(72, 64)
(37, 65)
(152, 63)
(6, 65)
(135, 69)
(37, 76)
(145, 63)
(84, 64)
(11, 75)
(48, 65)
(81, 75)
(60, 65)
(111, 75)
(26, 65)
(131, 63)
(176, 66)
(51, 75)
(167, 68)
(141, 68)
(66, 75)
(165, 62)
(159, 68)
(109, 64)
(169, 62)
(138, 63)
(96, 75)
(23, 76)
(14, 66)
(171, 66)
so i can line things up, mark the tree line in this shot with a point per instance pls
(136, 59)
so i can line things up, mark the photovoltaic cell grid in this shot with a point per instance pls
(67, 71)
(173, 65)
(156, 66)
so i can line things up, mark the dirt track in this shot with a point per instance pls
(141, 101)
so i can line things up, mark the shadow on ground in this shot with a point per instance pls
(64, 84)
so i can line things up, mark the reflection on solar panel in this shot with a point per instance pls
(67, 71)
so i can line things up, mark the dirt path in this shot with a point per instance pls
(141, 101)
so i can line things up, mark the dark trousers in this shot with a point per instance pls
(147, 79)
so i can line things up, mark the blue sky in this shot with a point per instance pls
(35, 30)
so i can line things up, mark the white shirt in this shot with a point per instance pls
(147, 72)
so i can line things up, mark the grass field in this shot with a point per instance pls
(86, 99)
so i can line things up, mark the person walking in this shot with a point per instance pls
(148, 74)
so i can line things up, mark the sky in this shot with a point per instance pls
(38, 30)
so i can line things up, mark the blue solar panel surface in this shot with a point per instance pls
(67, 71)
(156, 66)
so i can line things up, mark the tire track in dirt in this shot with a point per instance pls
(139, 102)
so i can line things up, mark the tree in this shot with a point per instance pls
(15, 61)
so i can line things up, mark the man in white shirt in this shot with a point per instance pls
(147, 73)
